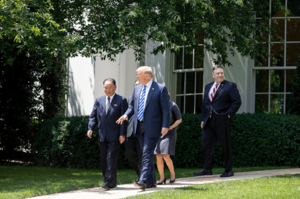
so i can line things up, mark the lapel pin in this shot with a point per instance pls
(152, 88)
(116, 105)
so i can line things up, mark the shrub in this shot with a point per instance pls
(257, 140)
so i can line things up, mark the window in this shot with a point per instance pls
(274, 78)
(189, 79)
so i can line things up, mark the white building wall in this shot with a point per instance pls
(81, 86)
(87, 76)
(156, 62)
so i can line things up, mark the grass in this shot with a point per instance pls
(25, 181)
(285, 186)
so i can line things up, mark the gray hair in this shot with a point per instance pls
(214, 68)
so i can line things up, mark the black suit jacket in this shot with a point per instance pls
(108, 128)
(226, 101)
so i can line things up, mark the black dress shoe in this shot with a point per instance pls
(151, 186)
(105, 186)
(227, 174)
(203, 172)
(140, 184)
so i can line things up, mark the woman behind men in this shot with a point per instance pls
(166, 145)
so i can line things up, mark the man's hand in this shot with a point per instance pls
(122, 138)
(121, 119)
(202, 124)
(164, 131)
(89, 133)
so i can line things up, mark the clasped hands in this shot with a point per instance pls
(164, 130)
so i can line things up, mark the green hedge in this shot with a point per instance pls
(257, 140)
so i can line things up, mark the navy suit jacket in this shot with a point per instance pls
(156, 112)
(226, 101)
(108, 128)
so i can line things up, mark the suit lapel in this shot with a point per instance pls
(219, 93)
(151, 91)
(111, 104)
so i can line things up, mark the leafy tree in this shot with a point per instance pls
(293, 101)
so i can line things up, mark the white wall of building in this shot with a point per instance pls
(81, 86)
(156, 62)
(87, 76)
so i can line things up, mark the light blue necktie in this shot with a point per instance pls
(142, 105)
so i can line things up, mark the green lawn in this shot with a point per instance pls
(286, 186)
(26, 181)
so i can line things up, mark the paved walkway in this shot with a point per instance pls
(125, 190)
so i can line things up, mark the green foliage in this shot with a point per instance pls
(293, 101)
(257, 140)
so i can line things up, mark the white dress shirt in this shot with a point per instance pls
(149, 84)
(211, 90)
(111, 98)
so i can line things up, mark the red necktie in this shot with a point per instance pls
(213, 92)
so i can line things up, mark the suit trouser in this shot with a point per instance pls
(109, 153)
(134, 153)
(216, 128)
(148, 145)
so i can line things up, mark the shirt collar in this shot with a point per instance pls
(149, 83)
(111, 98)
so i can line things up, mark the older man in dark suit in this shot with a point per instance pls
(221, 101)
(150, 109)
(107, 109)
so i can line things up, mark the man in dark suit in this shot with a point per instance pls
(150, 109)
(221, 101)
(133, 149)
(107, 109)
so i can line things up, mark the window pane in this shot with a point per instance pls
(199, 37)
(190, 82)
(189, 105)
(289, 79)
(287, 104)
(199, 83)
(261, 103)
(180, 103)
(277, 10)
(198, 103)
(188, 58)
(179, 57)
(292, 32)
(263, 59)
(180, 83)
(199, 55)
(277, 80)
(294, 7)
(262, 81)
(292, 52)
(276, 105)
(278, 25)
(277, 55)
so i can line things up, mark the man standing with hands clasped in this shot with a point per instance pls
(107, 109)
(221, 101)
(150, 109)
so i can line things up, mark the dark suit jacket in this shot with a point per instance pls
(226, 101)
(108, 128)
(157, 111)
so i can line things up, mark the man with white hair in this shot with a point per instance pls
(150, 109)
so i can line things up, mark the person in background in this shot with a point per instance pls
(133, 149)
(221, 102)
(107, 109)
(166, 145)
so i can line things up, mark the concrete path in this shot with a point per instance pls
(125, 190)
